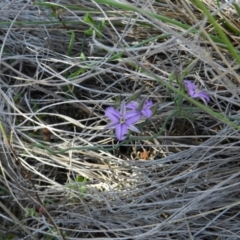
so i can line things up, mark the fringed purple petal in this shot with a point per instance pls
(191, 87)
(148, 104)
(121, 131)
(133, 128)
(132, 117)
(202, 95)
(123, 109)
(132, 105)
(205, 96)
(147, 112)
(112, 114)
(111, 125)
(195, 93)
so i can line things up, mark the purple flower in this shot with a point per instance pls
(122, 121)
(196, 93)
(144, 111)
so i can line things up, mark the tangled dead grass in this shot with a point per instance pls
(63, 176)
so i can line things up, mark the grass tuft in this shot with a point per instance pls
(63, 175)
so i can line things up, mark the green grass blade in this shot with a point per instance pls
(218, 29)
(71, 43)
(158, 17)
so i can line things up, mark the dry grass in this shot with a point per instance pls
(63, 176)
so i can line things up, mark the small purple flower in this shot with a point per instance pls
(122, 121)
(196, 93)
(145, 111)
